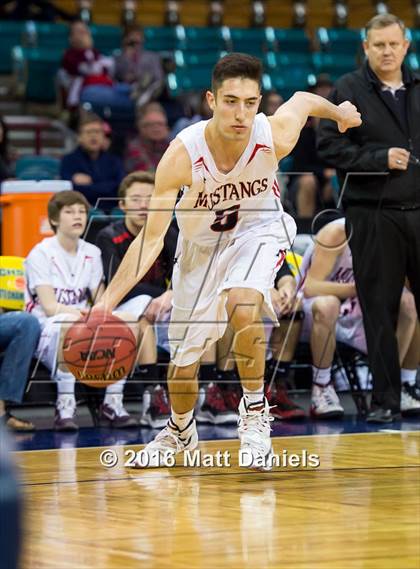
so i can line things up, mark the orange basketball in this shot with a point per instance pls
(99, 350)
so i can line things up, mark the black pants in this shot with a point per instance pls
(385, 245)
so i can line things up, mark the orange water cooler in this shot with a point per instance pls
(24, 213)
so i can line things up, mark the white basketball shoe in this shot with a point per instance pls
(169, 442)
(325, 402)
(254, 434)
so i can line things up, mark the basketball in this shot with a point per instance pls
(99, 350)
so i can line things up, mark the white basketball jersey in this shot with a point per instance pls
(221, 206)
(342, 271)
(73, 278)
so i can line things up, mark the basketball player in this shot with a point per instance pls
(233, 234)
(332, 312)
(63, 274)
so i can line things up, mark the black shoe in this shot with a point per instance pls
(382, 416)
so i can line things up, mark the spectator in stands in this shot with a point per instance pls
(94, 172)
(82, 65)
(312, 190)
(270, 102)
(151, 296)
(19, 335)
(145, 151)
(138, 67)
(202, 113)
(5, 163)
(332, 312)
(64, 273)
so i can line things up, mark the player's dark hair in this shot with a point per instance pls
(63, 199)
(236, 65)
(128, 181)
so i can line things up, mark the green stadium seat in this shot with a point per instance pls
(206, 39)
(184, 80)
(291, 40)
(106, 39)
(255, 41)
(334, 64)
(35, 71)
(37, 168)
(164, 39)
(11, 33)
(339, 40)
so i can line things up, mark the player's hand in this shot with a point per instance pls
(350, 116)
(81, 179)
(99, 307)
(159, 306)
(398, 158)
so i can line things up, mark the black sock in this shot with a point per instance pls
(147, 375)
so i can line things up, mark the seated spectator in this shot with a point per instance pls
(19, 335)
(95, 173)
(82, 64)
(145, 151)
(138, 67)
(202, 113)
(63, 273)
(270, 102)
(311, 190)
(6, 170)
(150, 297)
(332, 312)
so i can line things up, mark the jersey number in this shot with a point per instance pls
(226, 219)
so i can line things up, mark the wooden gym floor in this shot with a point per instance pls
(359, 509)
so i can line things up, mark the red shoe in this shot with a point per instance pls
(212, 408)
(282, 407)
(232, 396)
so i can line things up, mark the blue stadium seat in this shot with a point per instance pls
(184, 80)
(413, 61)
(414, 36)
(206, 39)
(48, 35)
(339, 40)
(37, 168)
(106, 39)
(291, 40)
(164, 39)
(335, 65)
(190, 59)
(274, 60)
(11, 34)
(35, 71)
(287, 83)
(255, 41)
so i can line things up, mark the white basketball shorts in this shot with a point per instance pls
(202, 277)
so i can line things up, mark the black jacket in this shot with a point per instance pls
(114, 241)
(365, 149)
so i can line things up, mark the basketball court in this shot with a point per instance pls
(359, 508)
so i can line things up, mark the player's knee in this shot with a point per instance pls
(243, 307)
(326, 310)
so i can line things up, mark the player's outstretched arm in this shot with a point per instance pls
(174, 171)
(291, 117)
